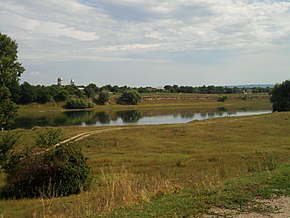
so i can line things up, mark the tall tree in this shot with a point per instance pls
(10, 72)
(281, 96)
(10, 68)
(8, 109)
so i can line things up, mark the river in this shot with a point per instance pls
(129, 117)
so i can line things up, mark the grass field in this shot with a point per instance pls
(172, 170)
(168, 100)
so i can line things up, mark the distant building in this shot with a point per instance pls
(72, 82)
(81, 88)
(59, 81)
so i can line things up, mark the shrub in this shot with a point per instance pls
(78, 103)
(104, 97)
(7, 143)
(281, 96)
(55, 171)
(61, 95)
(130, 97)
(222, 98)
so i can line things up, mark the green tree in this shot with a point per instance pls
(10, 72)
(104, 97)
(8, 109)
(90, 90)
(281, 96)
(130, 97)
(27, 93)
(46, 168)
(10, 68)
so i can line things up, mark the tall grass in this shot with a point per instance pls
(157, 165)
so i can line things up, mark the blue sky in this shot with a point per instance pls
(151, 43)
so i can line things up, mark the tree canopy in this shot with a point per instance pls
(10, 72)
(281, 96)
(10, 68)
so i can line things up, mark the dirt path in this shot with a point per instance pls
(275, 208)
(87, 134)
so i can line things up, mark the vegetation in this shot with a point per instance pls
(222, 98)
(281, 96)
(237, 195)
(104, 97)
(46, 168)
(27, 93)
(8, 109)
(78, 103)
(10, 72)
(130, 97)
(173, 170)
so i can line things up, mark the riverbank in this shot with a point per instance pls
(171, 170)
(165, 101)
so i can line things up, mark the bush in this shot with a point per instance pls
(78, 103)
(281, 96)
(130, 97)
(7, 143)
(222, 98)
(61, 95)
(55, 171)
(104, 97)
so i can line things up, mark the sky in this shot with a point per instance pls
(150, 42)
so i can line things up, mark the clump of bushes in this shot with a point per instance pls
(104, 97)
(222, 98)
(78, 103)
(46, 169)
(130, 97)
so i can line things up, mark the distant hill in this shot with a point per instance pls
(253, 86)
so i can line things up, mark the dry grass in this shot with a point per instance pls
(115, 190)
(138, 164)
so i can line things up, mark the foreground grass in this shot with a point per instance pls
(172, 169)
(239, 194)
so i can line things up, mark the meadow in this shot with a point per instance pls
(166, 101)
(171, 170)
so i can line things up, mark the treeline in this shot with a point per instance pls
(27, 93)
(214, 89)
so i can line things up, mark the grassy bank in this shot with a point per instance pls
(172, 170)
(168, 100)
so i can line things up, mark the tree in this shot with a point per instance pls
(27, 93)
(8, 109)
(104, 97)
(61, 95)
(90, 90)
(10, 72)
(130, 97)
(281, 96)
(47, 168)
(10, 68)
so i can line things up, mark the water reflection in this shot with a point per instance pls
(93, 118)
(132, 116)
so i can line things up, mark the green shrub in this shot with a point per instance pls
(78, 103)
(129, 97)
(104, 97)
(55, 171)
(222, 98)
(7, 143)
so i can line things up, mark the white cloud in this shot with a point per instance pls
(122, 30)
(226, 24)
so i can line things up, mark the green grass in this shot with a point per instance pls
(172, 168)
(239, 194)
(165, 101)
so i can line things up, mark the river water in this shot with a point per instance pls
(129, 117)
